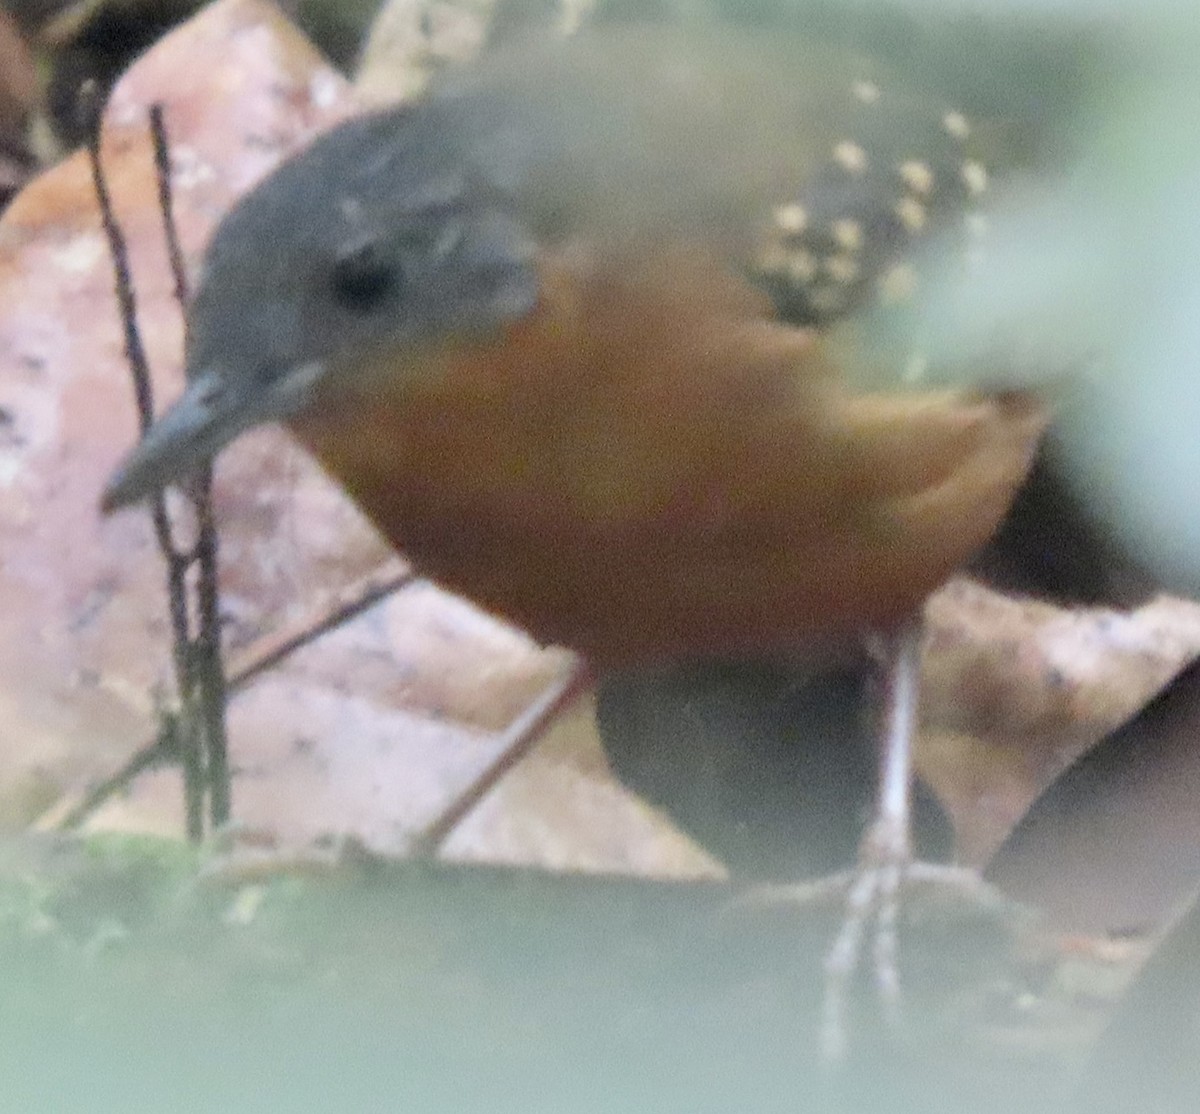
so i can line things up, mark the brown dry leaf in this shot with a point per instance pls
(1015, 690)
(409, 41)
(365, 731)
(1113, 845)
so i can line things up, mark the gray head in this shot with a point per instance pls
(381, 237)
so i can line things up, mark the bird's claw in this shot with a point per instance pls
(884, 895)
(872, 898)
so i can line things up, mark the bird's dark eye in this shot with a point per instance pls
(363, 276)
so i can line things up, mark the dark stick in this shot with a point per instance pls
(208, 685)
(166, 202)
(92, 110)
(177, 562)
(208, 661)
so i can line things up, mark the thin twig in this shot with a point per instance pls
(166, 202)
(207, 687)
(364, 593)
(162, 751)
(517, 741)
(92, 108)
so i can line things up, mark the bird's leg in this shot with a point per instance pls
(875, 889)
(873, 897)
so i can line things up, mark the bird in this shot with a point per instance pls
(537, 229)
(578, 328)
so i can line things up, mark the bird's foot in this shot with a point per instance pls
(886, 882)
(958, 933)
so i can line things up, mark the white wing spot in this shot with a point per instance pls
(911, 213)
(850, 157)
(848, 234)
(955, 124)
(917, 176)
(866, 92)
(791, 219)
(974, 176)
